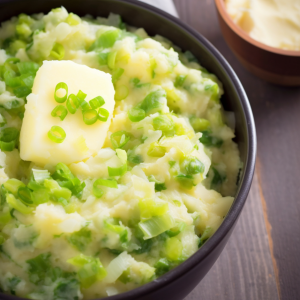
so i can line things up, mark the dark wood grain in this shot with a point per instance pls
(277, 116)
(244, 270)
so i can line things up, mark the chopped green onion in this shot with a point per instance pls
(56, 134)
(136, 114)
(40, 196)
(159, 186)
(59, 111)
(40, 175)
(81, 95)
(117, 266)
(156, 225)
(28, 80)
(97, 191)
(177, 203)
(90, 116)
(62, 193)
(73, 19)
(96, 102)
(173, 249)
(165, 124)
(176, 230)
(103, 56)
(62, 172)
(214, 89)
(26, 67)
(185, 181)
(80, 239)
(5, 217)
(193, 165)
(218, 179)
(63, 201)
(63, 98)
(2, 238)
(179, 81)
(150, 208)
(162, 267)
(84, 105)
(156, 150)
(90, 269)
(13, 185)
(154, 101)
(205, 236)
(22, 91)
(7, 146)
(111, 59)
(210, 141)
(199, 124)
(72, 103)
(34, 186)
(8, 138)
(117, 171)
(117, 74)
(103, 114)
(11, 80)
(18, 205)
(134, 158)
(119, 139)
(111, 183)
(58, 51)
(24, 194)
(2, 121)
(113, 224)
(121, 92)
(107, 39)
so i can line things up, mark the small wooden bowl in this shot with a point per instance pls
(274, 65)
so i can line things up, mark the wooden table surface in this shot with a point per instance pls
(262, 258)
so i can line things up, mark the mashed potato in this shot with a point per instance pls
(158, 188)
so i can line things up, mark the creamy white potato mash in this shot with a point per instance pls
(117, 161)
(272, 22)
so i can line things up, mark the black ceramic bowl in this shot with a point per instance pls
(176, 284)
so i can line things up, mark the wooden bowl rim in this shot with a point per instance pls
(220, 4)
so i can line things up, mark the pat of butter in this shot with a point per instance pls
(82, 141)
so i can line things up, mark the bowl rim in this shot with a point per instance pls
(220, 4)
(249, 166)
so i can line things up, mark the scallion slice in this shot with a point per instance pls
(12, 185)
(111, 59)
(40, 175)
(117, 171)
(96, 102)
(18, 205)
(59, 111)
(72, 103)
(81, 95)
(119, 139)
(156, 225)
(7, 146)
(90, 116)
(24, 194)
(84, 105)
(111, 183)
(62, 99)
(97, 191)
(103, 114)
(117, 74)
(40, 196)
(121, 92)
(58, 51)
(136, 114)
(56, 134)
